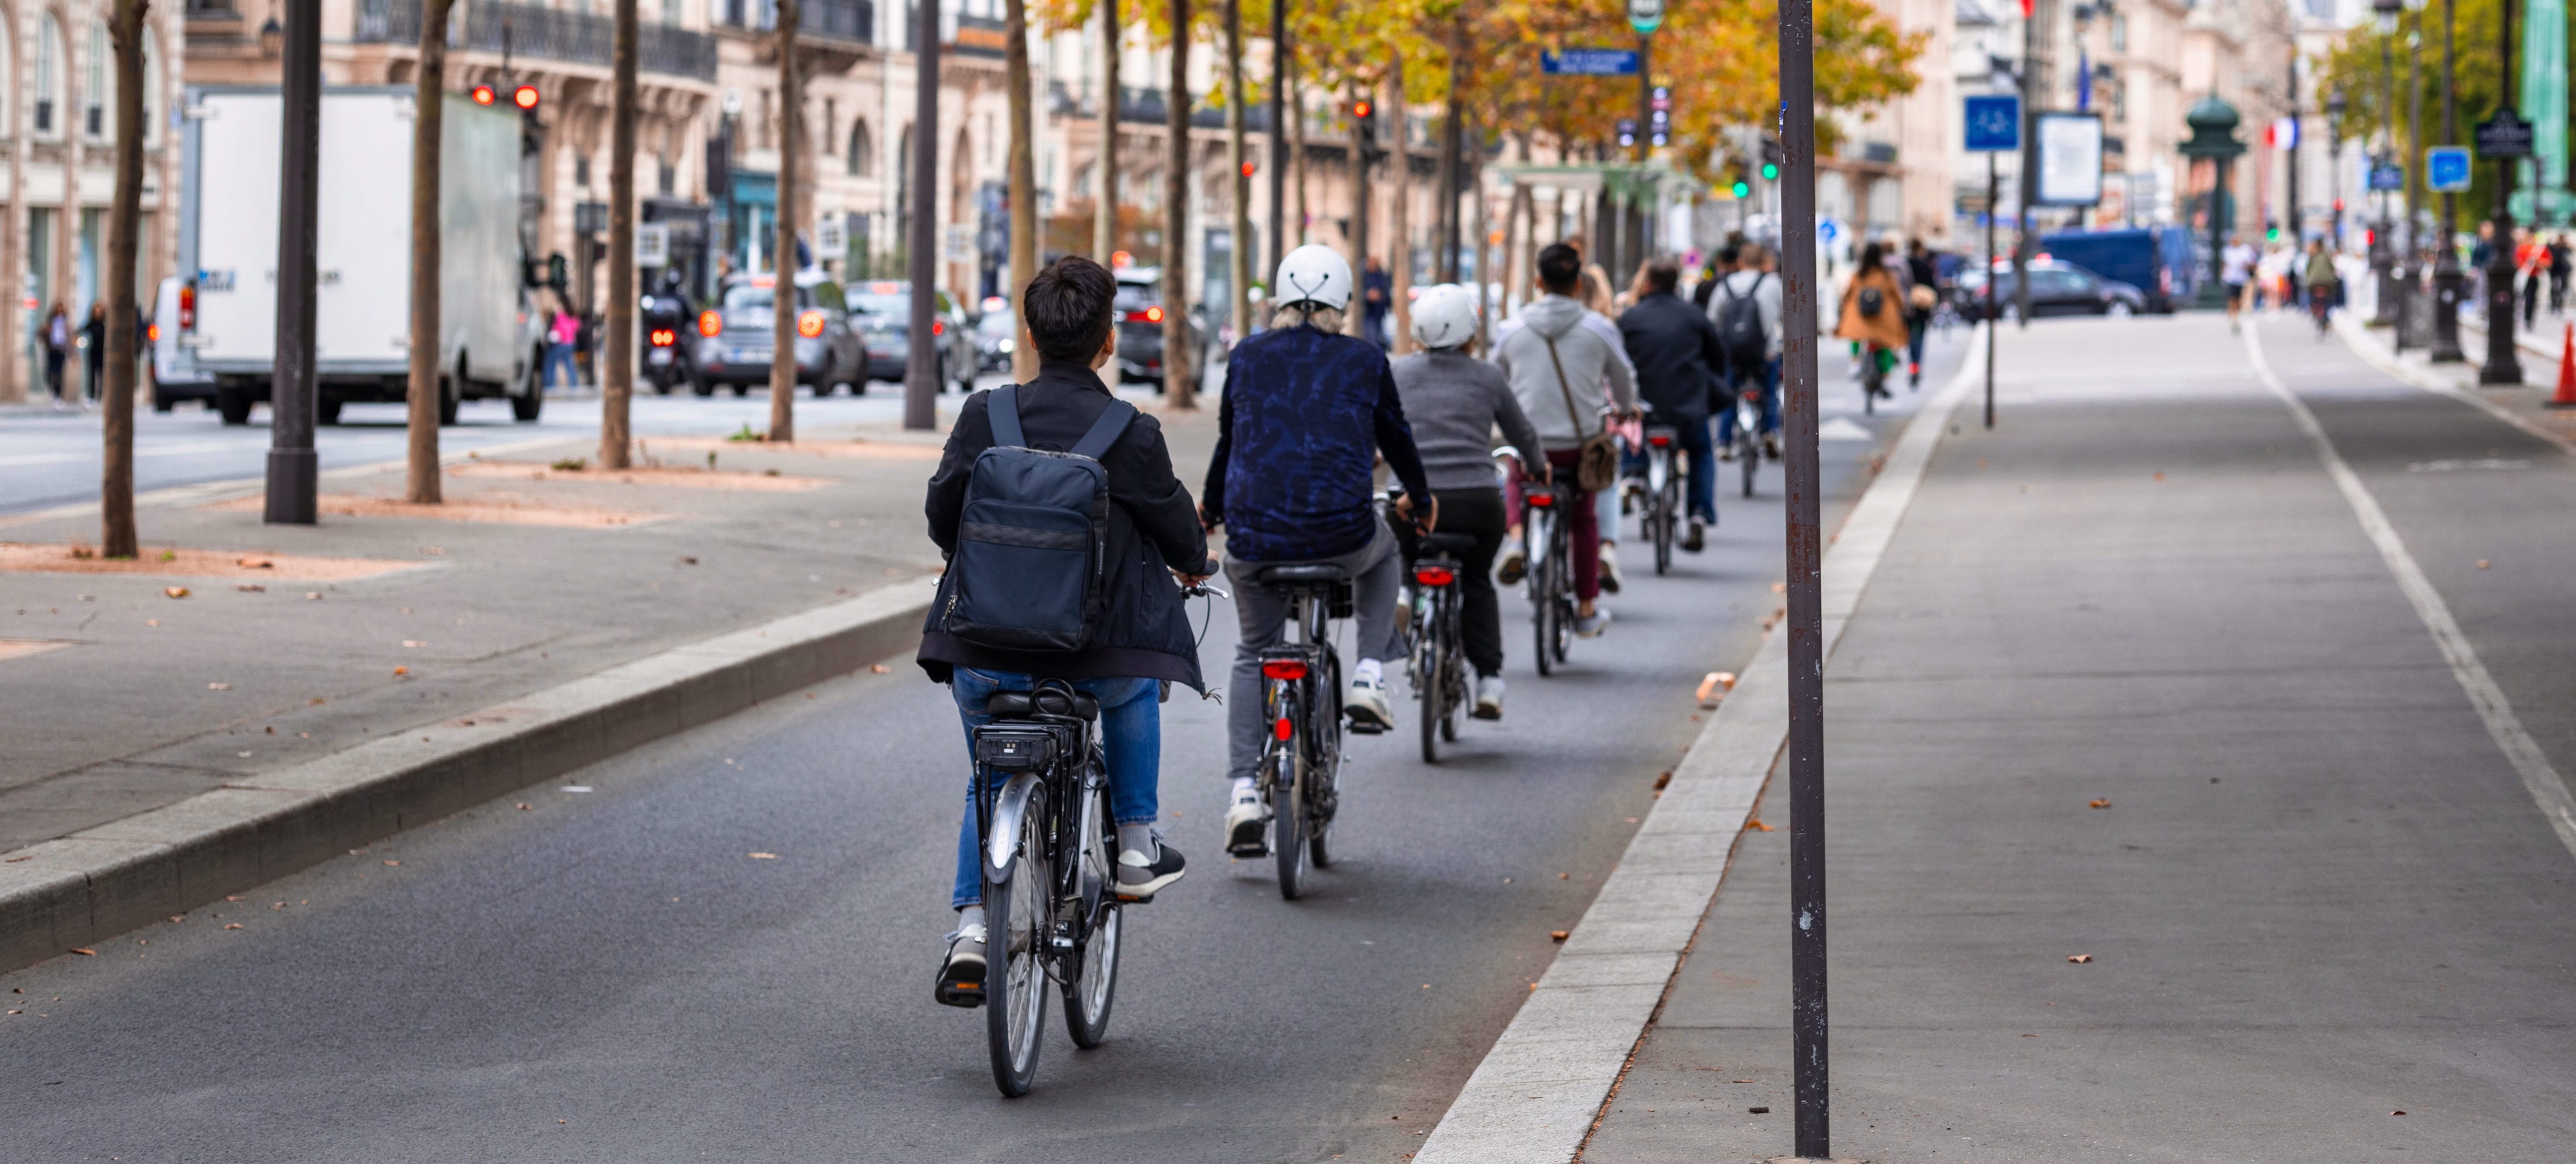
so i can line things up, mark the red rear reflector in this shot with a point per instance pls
(664, 337)
(1659, 440)
(710, 324)
(1285, 668)
(1435, 576)
(1280, 729)
(937, 327)
(1543, 500)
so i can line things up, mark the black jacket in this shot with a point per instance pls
(1677, 354)
(1153, 529)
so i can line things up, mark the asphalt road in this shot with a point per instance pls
(610, 975)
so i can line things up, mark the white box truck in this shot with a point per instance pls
(224, 316)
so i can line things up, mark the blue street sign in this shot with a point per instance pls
(1828, 229)
(1589, 62)
(2387, 176)
(2446, 169)
(1994, 123)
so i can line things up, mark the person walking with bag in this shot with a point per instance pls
(1567, 376)
(1873, 314)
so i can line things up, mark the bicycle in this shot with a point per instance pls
(1747, 445)
(1663, 492)
(1550, 582)
(1437, 662)
(1301, 685)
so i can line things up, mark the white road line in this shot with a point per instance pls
(2548, 789)
(1535, 1096)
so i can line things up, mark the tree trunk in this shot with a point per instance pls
(116, 483)
(1239, 274)
(1024, 175)
(1399, 227)
(1104, 218)
(1452, 141)
(1483, 227)
(791, 140)
(1297, 151)
(1180, 363)
(426, 388)
(1355, 320)
(1520, 245)
(617, 372)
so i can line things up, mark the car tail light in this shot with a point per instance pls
(938, 327)
(1659, 440)
(1281, 729)
(188, 306)
(710, 324)
(1153, 315)
(1284, 668)
(664, 337)
(153, 333)
(1543, 500)
(810, 325)
(1435, 575)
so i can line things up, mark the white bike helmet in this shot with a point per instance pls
(1444, 316)
(1314, 274)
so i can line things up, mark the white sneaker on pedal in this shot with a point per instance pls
(1591, 625)
(1247, 825)
(1367, 705)
(1609, 567)
(1514, 566)
(1489, 697)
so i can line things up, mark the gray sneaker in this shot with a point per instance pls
(1590, 626)
(1489, 697)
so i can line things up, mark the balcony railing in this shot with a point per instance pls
(848, 20)
(546, 34)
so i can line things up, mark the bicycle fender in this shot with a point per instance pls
(1008, 811)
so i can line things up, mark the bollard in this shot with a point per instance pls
(2566, 397)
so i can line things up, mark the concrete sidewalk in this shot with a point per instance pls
(235, 655)
(2138, 682)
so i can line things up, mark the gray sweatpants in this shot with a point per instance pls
(1376, 573)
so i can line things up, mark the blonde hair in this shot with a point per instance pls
(1594, 288)
(1322, 318)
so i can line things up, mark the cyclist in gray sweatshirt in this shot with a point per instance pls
(1454, 402)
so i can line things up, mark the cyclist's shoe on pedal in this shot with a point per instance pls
(1726, 453)
(1367, 706)
(1247, 826)
(1514, 567)
(1609, 567)
(1140, 877)
(1590, 626)
(961, 975)
(1697, 539)
(1771, 445)
(1489, 697)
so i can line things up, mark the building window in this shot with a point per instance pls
(671, 12)
(863, 151)
(831, 124)
(669, 178)
(49, 75)
(581, 171)
(2119, 33)
(94, 82)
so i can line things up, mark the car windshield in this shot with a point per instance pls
(1137, 296)
(996, 324)
(893, 306)
(748, 297)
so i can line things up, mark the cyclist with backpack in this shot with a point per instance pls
(1680, 365)
(1568, 370)
(1037, 481)
(1454, 402)
(1873, 314)
(1746, 309)
(1307, 410)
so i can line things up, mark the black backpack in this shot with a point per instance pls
(1033, 543)
(1739, 324)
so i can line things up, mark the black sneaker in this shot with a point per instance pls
(1697, 539)
(1140, 878)
(961, 975)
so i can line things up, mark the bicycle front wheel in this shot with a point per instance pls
(1092, 987)
(1016, 917)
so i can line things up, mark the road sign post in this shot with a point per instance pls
(1807, 1021)
(1994, 127)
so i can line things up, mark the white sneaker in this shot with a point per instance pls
(1366, 704)
(1489, 697)
(1609, 568)
(1590, 626)
(1247, 821)
(1514, 566)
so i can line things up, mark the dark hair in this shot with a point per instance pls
(1559, 266)
(1066, 308)
(1726, 253)
(1663, 275)
(1873, 256)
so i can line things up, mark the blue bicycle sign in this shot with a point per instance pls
(1994, 124)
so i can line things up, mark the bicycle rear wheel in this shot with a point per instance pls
(1749, 452)
(1431, 684)
(1667, 517)
(1288, 821)
(1561, 583)
(1324, 774)
(1017, 915)
(1091, 986)
(1542, 597)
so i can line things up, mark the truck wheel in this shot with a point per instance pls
(160, 403)
(740, 390)
(327, 410)
(447, 401)
(525, 408)
(701, 386)
(232, 402)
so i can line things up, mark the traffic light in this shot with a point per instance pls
(1364, 123)
(525, 97)
(1771, 159)
(1770, 171)
(483, 95)
(1659, 116)
(1627, 132)
(1743, 189)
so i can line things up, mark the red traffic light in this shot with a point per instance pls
(483, 95)
(1247, 169)
(1361, 109)
(525, 96)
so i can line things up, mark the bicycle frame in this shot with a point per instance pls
(1056, 751)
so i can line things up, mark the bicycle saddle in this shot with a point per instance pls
(1022, 704)
(1301, 573)
(1447, 543)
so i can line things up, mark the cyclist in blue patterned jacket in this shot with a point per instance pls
(1293, 481)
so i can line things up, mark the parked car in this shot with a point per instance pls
(2156, 260)
(882, 313)
(734, 342)
(996, 333)
(2056, 288)
(1139, 310)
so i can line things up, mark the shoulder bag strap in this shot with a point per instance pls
(1002, 409)
(1562, 387)
(1105, 431)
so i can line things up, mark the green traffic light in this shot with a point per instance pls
(1770, 172)
(1743, 190)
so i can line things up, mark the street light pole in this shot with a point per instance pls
(2412, 280)
(2446, 254)
(292, 462)
(1806, 543)
(2382, 244)
(921, 370)
(2504, 365)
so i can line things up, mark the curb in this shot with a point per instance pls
(1536, 1095)
(2376, 353)
(94, 884)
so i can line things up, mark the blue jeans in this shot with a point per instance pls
(1131, 740)
(1770, 401)
(560, 355)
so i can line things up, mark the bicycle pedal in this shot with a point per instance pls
(1250, 851)
(1366, 729)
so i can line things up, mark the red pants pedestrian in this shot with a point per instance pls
(1581, 523)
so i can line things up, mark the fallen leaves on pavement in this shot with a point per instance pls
(764, 856)
(175, 591)
(2098, 804)
(85, 951)
(1754, 824)
(2079, 959)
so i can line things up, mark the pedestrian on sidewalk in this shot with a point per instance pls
(57, 339)
(1922, 294)
(93, 344)
(2558, 270)
(2236, 272)
(2531, 262)
(1873, 316)
(563, 337)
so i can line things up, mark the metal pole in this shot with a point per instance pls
(2383, 248)
(291, 395)
(2412, 281)
(2446, 256)
(2028, 179)
(921, 371)
(2298, 215)
(1278, 134)
(2504, 365)
(1994, 189)
(1806, 583)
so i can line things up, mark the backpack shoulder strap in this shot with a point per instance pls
(1105, 431)
(1002, 409)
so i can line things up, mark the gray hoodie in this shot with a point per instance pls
(1596, 368)
(1454, 401)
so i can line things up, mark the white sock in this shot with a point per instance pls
(1245, 788)
(1369, 669)
(972, 915)
(1136, 838)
